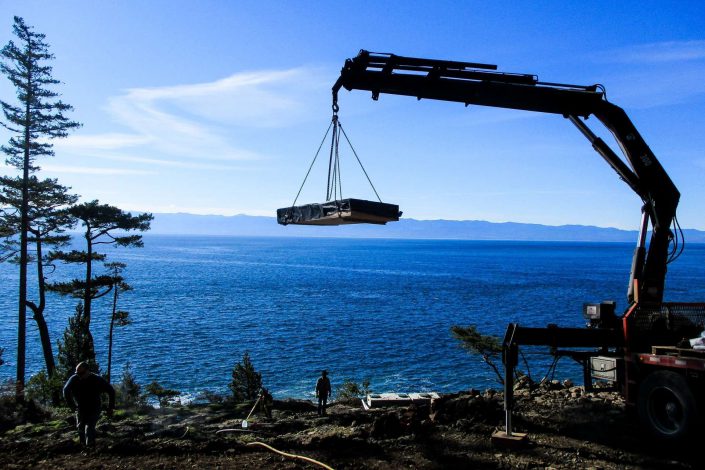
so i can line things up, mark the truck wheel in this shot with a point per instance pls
(666, 405)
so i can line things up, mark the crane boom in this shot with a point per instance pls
(481, 84)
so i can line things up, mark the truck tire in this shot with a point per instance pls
(667, 406)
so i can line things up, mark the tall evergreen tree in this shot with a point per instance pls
(37, 116)
(104, 225)
(48, 220)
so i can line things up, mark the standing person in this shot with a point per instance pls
(82, 392)
(323, 391)
(266, 401)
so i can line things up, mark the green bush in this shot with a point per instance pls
(164, 396)
(128, 391)
(45, 390)
(350, 389)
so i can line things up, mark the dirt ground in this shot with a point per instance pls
(566, 428)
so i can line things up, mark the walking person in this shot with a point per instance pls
(323, 392)
(82, 392)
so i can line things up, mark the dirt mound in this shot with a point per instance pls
(567, 428)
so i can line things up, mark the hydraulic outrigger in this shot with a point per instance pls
(640, 345)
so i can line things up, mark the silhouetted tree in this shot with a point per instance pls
(246, 382)
(104, 225)
(488, 347)
(118, 317)
(48, 218)
(2, 361)
(37, 116)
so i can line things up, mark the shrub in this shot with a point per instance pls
(164, 396)
(45, 390)
(13, 414)
(127, 391)
(350, 389)
(7, 388)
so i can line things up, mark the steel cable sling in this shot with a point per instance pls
(334, 187)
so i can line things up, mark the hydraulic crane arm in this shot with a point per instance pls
(481, 84)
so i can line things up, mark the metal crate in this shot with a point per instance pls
(340, 212)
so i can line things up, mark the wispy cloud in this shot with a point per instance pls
(108, 141)
(80, 170)
(655, 74)
(195, 123)
(252, 99)
(660, 52)
(172, 163)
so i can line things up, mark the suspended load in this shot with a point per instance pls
(343, 211)
(338, 210)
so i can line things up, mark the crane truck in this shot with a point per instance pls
(638, 351)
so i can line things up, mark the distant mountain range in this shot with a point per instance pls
(245, 225)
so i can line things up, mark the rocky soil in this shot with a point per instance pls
(567, 428)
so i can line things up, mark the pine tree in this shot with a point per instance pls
(246, 382)
(37, 116)
(48, 220)
(77, 346)
(128, 391)
(104, 225)
(488, 347)
(163, 395)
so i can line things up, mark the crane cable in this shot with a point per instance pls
(290, 456)
(358, 161)
(311, 165)
(334, 186)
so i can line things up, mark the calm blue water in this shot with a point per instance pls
(377, 309)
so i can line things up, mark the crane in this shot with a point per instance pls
(657, 378)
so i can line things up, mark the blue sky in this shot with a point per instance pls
(218, 107)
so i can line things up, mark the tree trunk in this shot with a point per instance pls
(39, 313)
(110, 334)
(46, 342)
(87, 295)
(22, 300)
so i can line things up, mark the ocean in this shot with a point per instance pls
(361, 308)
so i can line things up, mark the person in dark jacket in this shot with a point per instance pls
(266, 401)
(82, 392)
(323, 392)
